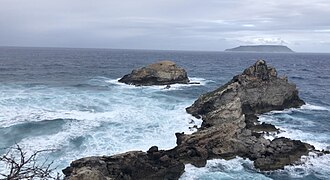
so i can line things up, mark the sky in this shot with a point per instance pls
(207, 25)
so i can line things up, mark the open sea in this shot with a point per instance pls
(69, 100)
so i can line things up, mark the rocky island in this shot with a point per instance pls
(262, 48)
(230, 128)
(160, 73)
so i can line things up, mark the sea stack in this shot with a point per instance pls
(257, 90)
(160, 73)
(230, 124)
(230, 128)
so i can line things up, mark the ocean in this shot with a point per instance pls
(69, 100)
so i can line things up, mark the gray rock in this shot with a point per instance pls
(160, 73)
(257, 90)
(230, 128)
(154, 165)
(230, 111)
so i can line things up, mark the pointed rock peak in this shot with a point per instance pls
(260, 70)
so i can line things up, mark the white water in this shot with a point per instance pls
(237, 168)
(118, 119)
(122, 118)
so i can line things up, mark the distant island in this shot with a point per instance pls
(262, 48)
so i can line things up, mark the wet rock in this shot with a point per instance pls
(264, 127)
(282, 152)
(160, 73)
(128, 166)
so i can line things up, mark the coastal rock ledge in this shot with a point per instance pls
(230, 128)
(160, 73)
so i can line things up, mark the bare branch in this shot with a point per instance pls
(24, 166)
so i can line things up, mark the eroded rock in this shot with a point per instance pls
(153, 165)
(230, 128)
(160, 73)
(257, 90)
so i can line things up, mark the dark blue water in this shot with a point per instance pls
(69, 100)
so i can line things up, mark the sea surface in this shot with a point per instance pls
(69, 100)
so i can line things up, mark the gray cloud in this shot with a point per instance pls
(166, 24)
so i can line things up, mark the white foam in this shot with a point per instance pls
(193, 80)
(285, 111)
(109, 122)
(301, 109)
(312, 164)
(318, 140)
(222, 169)
(314, 107)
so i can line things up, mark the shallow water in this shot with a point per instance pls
(69, 100)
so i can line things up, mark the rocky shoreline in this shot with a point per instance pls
(230, 128)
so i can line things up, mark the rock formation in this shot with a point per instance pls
(230, 128)
(257, 90)
(160, 73)
(153, 165)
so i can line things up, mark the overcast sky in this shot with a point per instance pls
(302, 25)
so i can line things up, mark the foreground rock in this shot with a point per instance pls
(230, 128)
(153, 165)
(161, 73)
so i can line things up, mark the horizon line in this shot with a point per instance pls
(140, 49)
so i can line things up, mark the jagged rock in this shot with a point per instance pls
(230, 125)
(264, 127)
(257, 90)
(230, 128)
(160, 73)
(281, 152)
(153, 165)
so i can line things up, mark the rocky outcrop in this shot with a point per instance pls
(160, 73)
(153, 165)
(230, 128)
(257, 90)
(227, 141)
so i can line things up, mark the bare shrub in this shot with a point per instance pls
(20, 165)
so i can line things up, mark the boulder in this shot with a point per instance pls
(160, 73)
